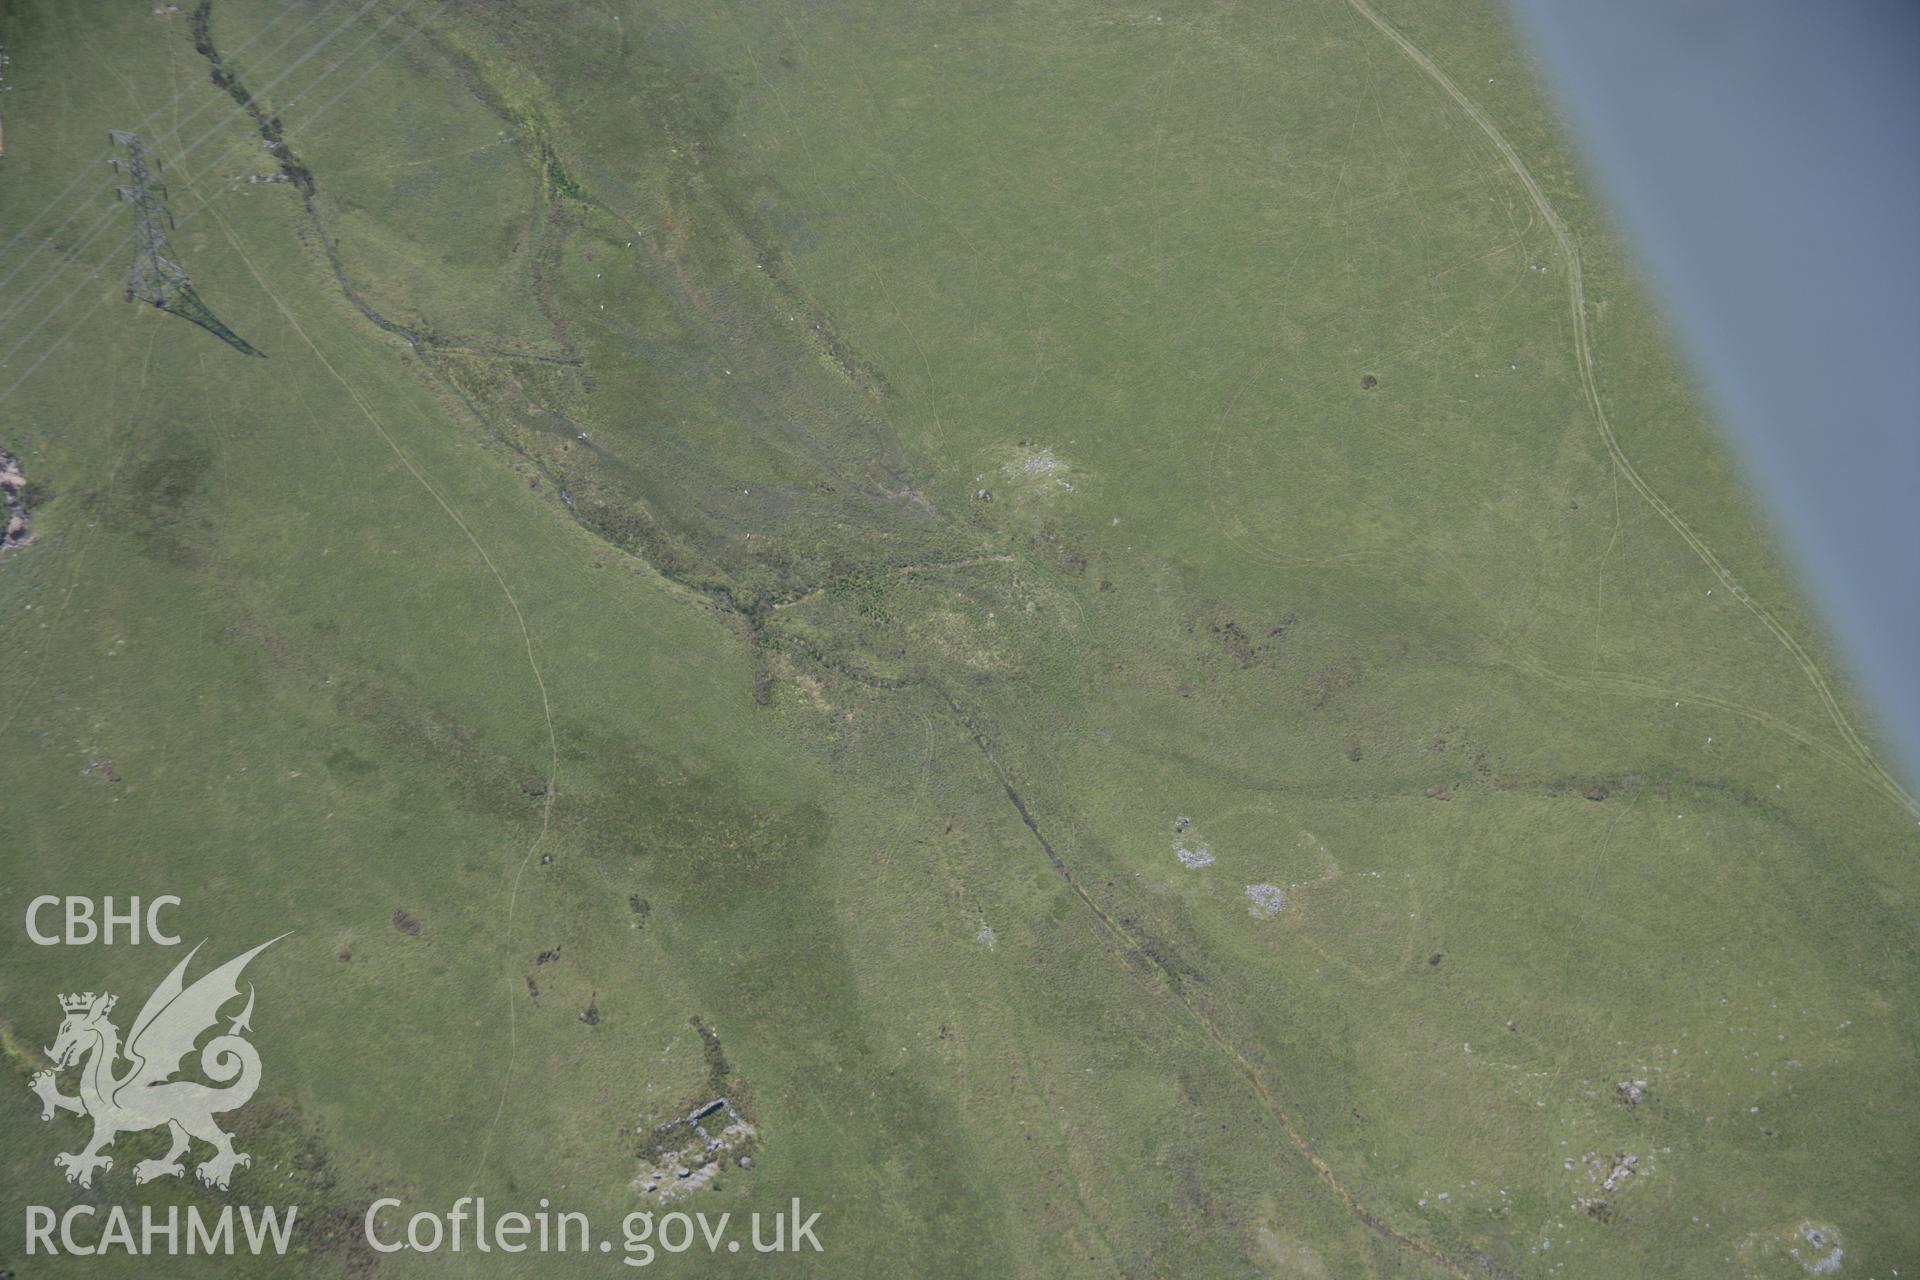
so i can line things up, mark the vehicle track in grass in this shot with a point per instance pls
(526, 638)
(1590, 387)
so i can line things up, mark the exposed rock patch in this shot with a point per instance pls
(1193, 855)
(1036, 471)
(18, 530)
(716, 1130)
(1819, 1249)
(1268, 900)
(1190, 848)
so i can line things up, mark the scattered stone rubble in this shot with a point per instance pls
(1819, 1251)
(680, 1171)
(1190, 849)
(13, 505)
(1268, 900)
(1600, 1204)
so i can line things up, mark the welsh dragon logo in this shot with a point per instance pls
(145, 1095)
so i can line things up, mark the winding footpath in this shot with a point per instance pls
(1583, 356)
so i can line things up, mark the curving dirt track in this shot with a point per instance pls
(1583, 357)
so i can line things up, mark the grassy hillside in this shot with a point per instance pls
(776, 525)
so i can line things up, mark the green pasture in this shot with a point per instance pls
(772, 523)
